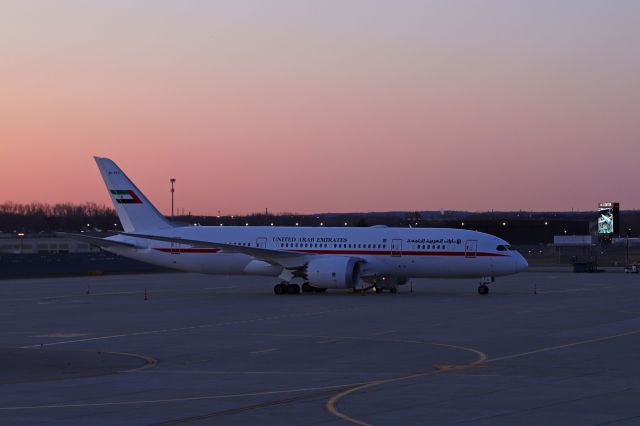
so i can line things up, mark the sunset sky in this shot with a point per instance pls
(318, 106)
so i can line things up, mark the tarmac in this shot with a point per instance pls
(544, 347)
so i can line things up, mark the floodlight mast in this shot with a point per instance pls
(172, 180)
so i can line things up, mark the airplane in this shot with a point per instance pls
(307, 259)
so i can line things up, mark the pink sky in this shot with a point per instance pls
(324, 106)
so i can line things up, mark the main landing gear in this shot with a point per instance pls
(380, 289)
(287, 288)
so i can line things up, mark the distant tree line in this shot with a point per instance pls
(66, 217)
(515, 227)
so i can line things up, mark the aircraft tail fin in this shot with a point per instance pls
(134, 209)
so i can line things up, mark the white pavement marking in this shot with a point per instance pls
(383, 332)
(571, 290)
(220, 288)
(262, 351)
(322, 342)
(60, 335)
(83, 294)
(192, 327)
(568, 345)
(160, 401)
(266, 373)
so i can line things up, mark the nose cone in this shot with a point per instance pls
(521, 263)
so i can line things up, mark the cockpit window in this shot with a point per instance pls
(503, 248)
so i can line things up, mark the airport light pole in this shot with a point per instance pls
(172, 180)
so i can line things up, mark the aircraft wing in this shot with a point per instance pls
(97, 241)
(284, 258)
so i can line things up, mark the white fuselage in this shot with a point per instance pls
(386, 252)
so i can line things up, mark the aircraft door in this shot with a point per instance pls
(175, 248)
(470, 249)
(396, 248)
(261, 242)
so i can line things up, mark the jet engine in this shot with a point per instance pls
(333, 272)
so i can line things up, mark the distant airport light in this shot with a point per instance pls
(345, 224)
(246, 224)
(88, 225)
(462, 224)
(546, 223)
(271, 223)
(297, 224)
(20, 234)
(220, 224)
(504, 223)
(321, 223)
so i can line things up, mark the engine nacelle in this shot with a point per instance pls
(333, 272)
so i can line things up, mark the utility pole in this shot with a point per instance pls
(172, 180)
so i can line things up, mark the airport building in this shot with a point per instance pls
(12, 244)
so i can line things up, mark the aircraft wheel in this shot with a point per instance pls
(483, 289)
(306, 288)
(378, 290)
(279, 289)
(293, 289)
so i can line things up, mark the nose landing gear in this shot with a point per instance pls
(484, 288)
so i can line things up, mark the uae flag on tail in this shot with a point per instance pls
(125, 196)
